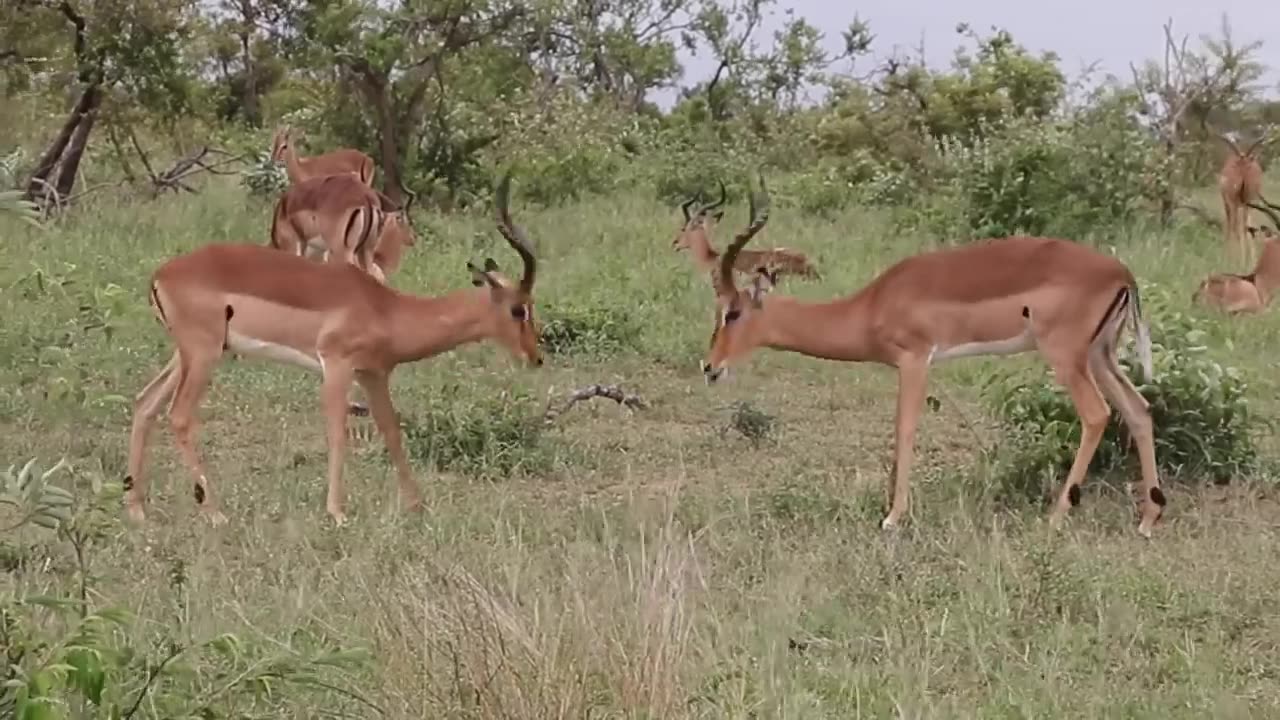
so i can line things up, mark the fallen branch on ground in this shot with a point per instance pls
(611, 392)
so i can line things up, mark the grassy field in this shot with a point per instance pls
(655, 564)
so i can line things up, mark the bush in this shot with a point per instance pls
(1026, 176)
(1204, 428)
(597, 331)
(264, 177)
(481, 436)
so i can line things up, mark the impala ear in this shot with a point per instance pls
(480, 276)
(717, 215)
(762, 284)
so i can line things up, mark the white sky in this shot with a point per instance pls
(1113, 32)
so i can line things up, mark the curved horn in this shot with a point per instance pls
(409, 197)
(724, 195)
(1263, 138)
(684, 207)
(514, 236)
(1230, 141)
(759, 215)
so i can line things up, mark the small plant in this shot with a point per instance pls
(264, 177)
(750, 421)
(599, 331)
(63, 658)
(1204, 429)
(491, 437)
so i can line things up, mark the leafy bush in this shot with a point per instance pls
(1204, 428)
(599, 331)
(64, 658)
(264, 177)
(482, 436)
(1027, 176)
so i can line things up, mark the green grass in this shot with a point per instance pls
(648, 564)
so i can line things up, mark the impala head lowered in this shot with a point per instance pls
(739, 313)
(697, 220)
(513, 323)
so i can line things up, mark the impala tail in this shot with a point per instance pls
(1143, 335)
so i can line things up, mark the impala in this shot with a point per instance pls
(327, 317)
(1000, 297)
(1250, 293)
(344, 160)
(694, 236)
(339, 218)
(1240, 184)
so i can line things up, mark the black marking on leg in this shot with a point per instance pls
(226, 336)
(199, 492)
(1073, 495)
(357, 409)
(1026, 312)
(128, 482)
(1157, 496)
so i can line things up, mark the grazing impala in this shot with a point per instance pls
(328, 317)
(694, 236)
(339, 218)
(999, 297)
(1235, 294)
(344, 160)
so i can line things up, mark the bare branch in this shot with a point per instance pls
(611, 392)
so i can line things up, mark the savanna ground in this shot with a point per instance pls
(660, 563)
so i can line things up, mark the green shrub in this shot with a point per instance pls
(1204, 428)
(264, 177)
(63, 657)
(597, 330)
(488, 436)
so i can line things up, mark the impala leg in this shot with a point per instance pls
(1093, 411)
(337, 383)
(376, 387)
(195, 371)
(1229, 223)
(912, 381)
(1136, 413)
(146, 408)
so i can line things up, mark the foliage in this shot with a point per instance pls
(65, 659)
(600, 330)
(485, 437)
(1204, 426)
(750, 422)
(264, 177)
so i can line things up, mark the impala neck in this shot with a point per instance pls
(423, 327)
(832, 330)
(292, 164)
(700, 247)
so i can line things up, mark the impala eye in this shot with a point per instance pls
(518, 312)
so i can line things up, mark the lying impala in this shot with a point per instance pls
(338, 217)
(343, 160)
(998, 297)
(694, 236)
(328, 317)
(1235, 294)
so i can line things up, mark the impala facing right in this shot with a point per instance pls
(999, 297)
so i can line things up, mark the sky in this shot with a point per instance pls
(1110, 32)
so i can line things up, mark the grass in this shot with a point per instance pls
(648, 564)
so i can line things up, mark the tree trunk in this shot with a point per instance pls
(84, 107)
(70, 165)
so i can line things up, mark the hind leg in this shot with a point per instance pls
(1135, 411)
(1092, 408)
(196, 372)
(146, 408)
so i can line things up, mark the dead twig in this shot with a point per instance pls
(611, 392)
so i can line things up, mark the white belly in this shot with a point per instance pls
(1010, 346)
(252, 347)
